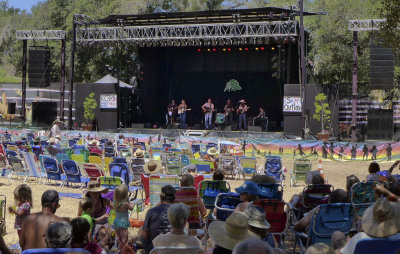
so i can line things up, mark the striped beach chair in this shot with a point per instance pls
(157, 182)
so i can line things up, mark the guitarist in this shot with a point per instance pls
(228, 112)
(182, 113)
(172, 112)
(242, 109)
(208, 109)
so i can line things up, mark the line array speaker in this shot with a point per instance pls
(381, 70)
(39, 67)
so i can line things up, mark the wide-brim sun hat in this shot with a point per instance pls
(212, 151)
(229, 233)
(58, 121)
(94, 142)
(94, 186)
(152, 167)
(381, 219)
(256, 217)
(51, 140)
(249, 188)
(139, 153)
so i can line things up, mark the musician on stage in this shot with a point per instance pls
(241, 111)
(182, 113)
(228, 112)
(208, 109)
(261, 119)
(172, 112)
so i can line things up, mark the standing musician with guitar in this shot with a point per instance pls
(208, 109)
(172, 112)
(242, 109)
(228, 112)
(182, 113)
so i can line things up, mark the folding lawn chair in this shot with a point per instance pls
(120, 170)
(248, 166)
(125, 153)
(176, 250)
(188, 196)
(270, 191)
(300, 169)
(362, 196)
(95, 151)
(61, 156)
(109, 151)
(273, 168)
(185, 161)
(227, 164)
(32, 166)
(52, 170)
(209, 190)
(173, 164)
(3, 157)
(156, 182)
(119, 160)
(72, 173)
(3, 209)
(56, 251)
(313, 195)
(96, 160)
(376, 245)
(112, 182)
(202, 166)
(225, 204)
(37, 150)
(137, 168)
(329, 218)
(93, 171)
(17, 166)
(107, 162)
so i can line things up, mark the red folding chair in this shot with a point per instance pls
(188, 196)
(314, 195)
(146, 186)
(93, 171)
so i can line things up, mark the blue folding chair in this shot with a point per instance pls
(120, 170)
(72, 142)
(72, 172)
(119, 160)
(56, 251)
(273, 168)
(270, 191)
(52, 170)
(372, 246)
(185, 160)
(61, 156)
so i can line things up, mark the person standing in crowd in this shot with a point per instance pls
(208, 109)
(353, 152)
(374, 151)
(228, 111)
(241, 111)
(365, 152)
(22, 196)
(389, 152)
(172, 112)
(55, 129)
(182, 113)
(156, 221)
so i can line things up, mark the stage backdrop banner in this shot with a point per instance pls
(108, 101)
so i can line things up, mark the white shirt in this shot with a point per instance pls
(350, 247)
(54, 131)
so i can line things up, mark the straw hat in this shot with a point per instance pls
(152, 167)
(256, 217)
(94, 142)
(212, 151)
(381, 219)
(242, 101)
(94, 186)
(58, 136)
(230, 232)
(51, 140)
(139, 153)
(57, 121)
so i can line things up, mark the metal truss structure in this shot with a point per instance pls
(41, 35)
(184, 35)
(366, 24)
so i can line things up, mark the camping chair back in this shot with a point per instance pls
(314, 195)
(119, 160)
(156, 182)
(362, 196)
(109, 151)
(37, 150)
(227, 163)
(95, 150)
(95, 159)
(225, 203)
(276, 215)
(93, 171)
(273, 167)
(137, 168)
(110, 182)
(120, 170)
(78, 148)
(52, 170)
(209, 190)
(176, 250)
(85, 154)
(185, 160)
(330, 218)
(270, 191)
(71, 142)
(72, 172)
(61, 156)
(300, 169)
(248, 166)
(69, 152)
(78, 158)
(188, 196)
(376, 245)
(107, 162)
(202, 166)
(126, 152)
(3, 207)
(31, 164)
(173, 163)
(56, 251)
(15, 161)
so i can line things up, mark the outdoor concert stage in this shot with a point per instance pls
(193, 55)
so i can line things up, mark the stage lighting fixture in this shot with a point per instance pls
(240, 49)
(208, 50)
(229, 49)
(246, 49)
(214, 49)
(262, 48)
(272, 48)
(198, 50)
(256, 48)
(224, 49)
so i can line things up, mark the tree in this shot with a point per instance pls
(322, 111)
(89, 106)
(391, 11)
(232, 86)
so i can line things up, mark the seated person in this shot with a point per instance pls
(320, 248)
(59, 235)
(296, 198)
(375, 174)
(248, 192)
(337, 196)
(258, 224)
(187, 180)
(87, 205)
(392, 192)
(379, 221)
(262, 179)
(218, 175)
(253, 246)
(178, 215)
(80, 231)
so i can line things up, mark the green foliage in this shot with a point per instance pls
(322, 112)
(89, 106)
(7, 79)
(232, 86)
(391, 11)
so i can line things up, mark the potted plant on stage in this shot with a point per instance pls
(89, 107)
(322, 114)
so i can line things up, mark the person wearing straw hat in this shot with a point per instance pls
(227, 234)
(248, 192)
(94, 191)
(258, 224)
(241, 111)
(139, 153)
(382, 220)
(211, 156)
(55, 128)
(94, 142)
(152, 167)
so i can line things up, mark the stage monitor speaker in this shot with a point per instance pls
(381, 70)
(39, 67)
(234, 127)
(380, 124)
(137, 126)
(44, 113)
(196, 126)
(254, 128)
(11, 108)
(148, 125)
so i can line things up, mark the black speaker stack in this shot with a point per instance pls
(11, 108)
(381, 70)
(39, 66)
(44, 113)
(380, 124)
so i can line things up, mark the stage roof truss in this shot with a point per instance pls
(138, 34)
(41, 35)
(366, 24)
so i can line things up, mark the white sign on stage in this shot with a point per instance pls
(292, 104)
(108, 101)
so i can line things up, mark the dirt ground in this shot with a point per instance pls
(335, 174)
